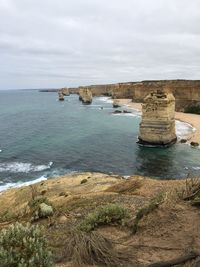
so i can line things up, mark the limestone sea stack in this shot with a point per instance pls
(85, 95)
(157, 127)
(60, 95)
(65, 91)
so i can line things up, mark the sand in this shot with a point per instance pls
(192, 119)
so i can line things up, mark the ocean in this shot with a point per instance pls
(41, 137)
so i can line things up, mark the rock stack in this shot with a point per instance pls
(157, 127)
(116, 103)
(65, 91)
(85, 95)
(61, 95)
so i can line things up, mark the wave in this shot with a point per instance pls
(20, 183)
(105, 99)
(125, 114)
(183, 129)
(17, 167)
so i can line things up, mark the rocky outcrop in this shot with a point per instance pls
(60, 96)
(157, 127)
(85, 95)
(116, 103)
(65, 91)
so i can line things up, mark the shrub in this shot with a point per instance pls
(195, 109)
(23, 246)
(107, 214)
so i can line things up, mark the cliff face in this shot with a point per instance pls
(158, 120)
(186, 92)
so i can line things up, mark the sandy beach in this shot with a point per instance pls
(192, 119)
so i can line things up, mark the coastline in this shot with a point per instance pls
(192, 119)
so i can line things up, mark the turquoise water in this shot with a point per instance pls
(41, 137)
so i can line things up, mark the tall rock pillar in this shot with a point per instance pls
(157, 127)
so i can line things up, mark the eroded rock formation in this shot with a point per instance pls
(157, 127)
(85, 95)
(60, 96)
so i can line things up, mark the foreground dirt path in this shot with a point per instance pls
(192, 119)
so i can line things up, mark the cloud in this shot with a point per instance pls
(56, 43)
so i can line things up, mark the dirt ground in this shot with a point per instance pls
(169, 231)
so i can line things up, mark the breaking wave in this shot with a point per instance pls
(20, 183)
(17, 167)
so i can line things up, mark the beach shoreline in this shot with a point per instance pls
(192, 119)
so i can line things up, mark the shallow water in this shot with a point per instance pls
(41, 137)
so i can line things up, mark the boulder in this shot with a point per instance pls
(194, 144)
(157, 127)
(116, 103)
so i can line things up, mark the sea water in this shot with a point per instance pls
(41, 137)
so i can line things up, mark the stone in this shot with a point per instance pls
(84, 181)
(45, 210)
(183, 141)
(62, 219)
(194, 144)
(157, 127)
(85, 95)
(117, 111)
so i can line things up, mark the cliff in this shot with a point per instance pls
(157, 127)
(186, 92)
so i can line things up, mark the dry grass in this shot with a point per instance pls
(191, 190)
(126, 186)
(90, 249)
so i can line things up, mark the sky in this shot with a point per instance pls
(57, 43)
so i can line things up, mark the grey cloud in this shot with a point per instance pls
(55, 43)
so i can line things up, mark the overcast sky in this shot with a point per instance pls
(55, 43)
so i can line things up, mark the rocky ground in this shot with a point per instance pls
(166, 230)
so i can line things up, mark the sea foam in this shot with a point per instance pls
(20, 183)
(17, 167)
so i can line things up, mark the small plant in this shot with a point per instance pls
(107, 214)
(153, 204)
(191, 190)
(23, 246)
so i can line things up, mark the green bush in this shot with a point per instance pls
(195, 109)
(23, 246)
(107, 214)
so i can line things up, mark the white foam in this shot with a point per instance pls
(20, 183)
(196, 168)
(0, 150)
(183, 129)
(105, 99)
(16, 167)
(125, 114)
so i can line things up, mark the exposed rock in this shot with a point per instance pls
(158, 123)
(126, 111)
(116, 103)
(195, 144)
(65, 91)
(84, 181)
(117, 112)
(60, 96)
(85, 95)
(183, 141)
